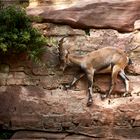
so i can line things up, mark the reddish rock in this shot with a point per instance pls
(38, 135)
(45, 135)
(34, 98)
(104, 14)
(32, 107)
(50, 30)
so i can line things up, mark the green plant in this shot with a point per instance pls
(6, 134)
(17, 34)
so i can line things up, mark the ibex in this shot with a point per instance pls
(105, 60)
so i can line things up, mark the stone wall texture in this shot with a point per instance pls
(116, 14)
(34, 103)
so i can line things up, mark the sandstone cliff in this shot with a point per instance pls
(32, 98)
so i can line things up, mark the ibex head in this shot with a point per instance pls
(63, 54)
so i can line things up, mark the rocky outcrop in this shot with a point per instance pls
(120, 15)
(33, 98)
(48, 136)
(32, 108)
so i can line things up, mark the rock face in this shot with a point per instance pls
(32, 108)
(49, 136)
(120, 15)
(32, 98)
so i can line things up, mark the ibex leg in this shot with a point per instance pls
(115, 71)
(90, 76)
(75, 79)
(126, 81)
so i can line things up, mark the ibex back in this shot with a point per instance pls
(105, 60)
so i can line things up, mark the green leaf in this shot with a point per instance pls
(17, 34)
(3, 47)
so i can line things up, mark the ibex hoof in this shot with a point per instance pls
(103, 97)
(89, 103)
(126, 94)
(66, 87)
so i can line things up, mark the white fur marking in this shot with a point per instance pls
(93, 71)
(127, 85)
(83, 65)
(90, 90)
(74, 80)
(127, 60)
